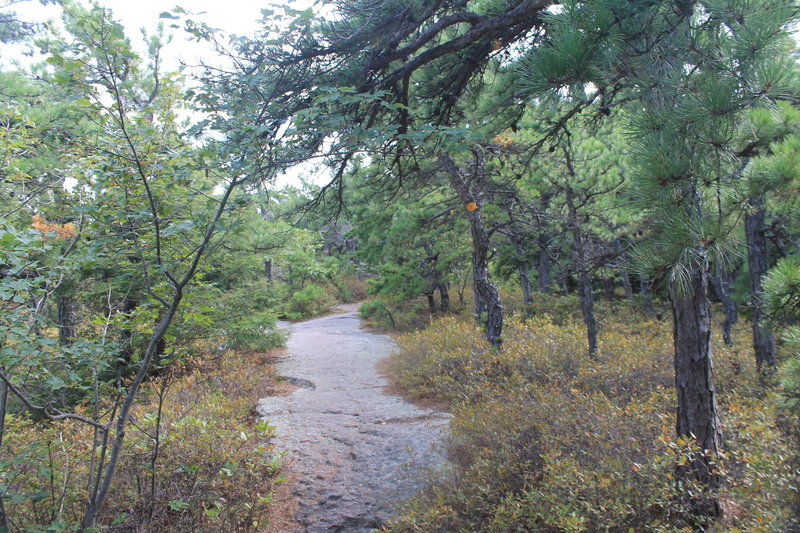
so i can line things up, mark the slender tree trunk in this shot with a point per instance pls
(3, 403)
(587, 309)
(268, 270)
(487, 297)
(431, 301)
(432, 275)
(525, 282)
(623, 272)
(721, 283)
(584, 282)
(444, 297)
(66, 320)
(647, 296)
(543, 269)
(128, 305)
(609, 288)
(763, 340)
(697, 415)
(462, 289)
(524, 268)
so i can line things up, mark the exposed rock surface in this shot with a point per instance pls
(355, 452)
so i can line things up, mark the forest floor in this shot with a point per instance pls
(353, 450)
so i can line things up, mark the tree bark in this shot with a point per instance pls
(579, 257)
(487, 297)
(543, 240)
(444, 297)
(66, 320)
(721, 283)
(3, 404)
(431, 301)
(543, 266)
(524, 268)
(609, 288)
(268, 270)
(623, 272)
(763, 340)
(647, 297)
(433, 277)
(697, 416)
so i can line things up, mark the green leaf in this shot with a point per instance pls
(177, 505)
(56, 383)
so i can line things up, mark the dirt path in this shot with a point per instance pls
(354, 451)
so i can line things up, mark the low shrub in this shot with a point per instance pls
(383, 314)
(244, 318)
(544, 439)
(350, 289)
(195, 457)
(310, 301)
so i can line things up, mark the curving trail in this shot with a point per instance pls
(355, 452)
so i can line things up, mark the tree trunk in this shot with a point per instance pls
(523, 268)
(268, 270)
(647, 297)
(697, 416)
(525, 282)
(431, 301)
(444, 297)
(487, 297)
(579, 257)
(3, 404)
(432, 275)
(543, 240)
(623, 272)
(543, 267)
(587, 309)
(763, 340)
(66, 320)
(609, 288)
(721, 283)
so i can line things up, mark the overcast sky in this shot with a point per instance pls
(232, 16)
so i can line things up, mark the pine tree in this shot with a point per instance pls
(691, 70)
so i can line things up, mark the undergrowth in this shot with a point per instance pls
(195, 459)
(544, 439)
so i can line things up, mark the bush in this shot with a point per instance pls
(213, 470)
(350, 289)
(243, 318)
(546, 440)
(383, 314)
(308, 302)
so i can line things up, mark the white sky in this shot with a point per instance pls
(232, 16)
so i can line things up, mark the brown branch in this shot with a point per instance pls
(47, 410)
(521, 18)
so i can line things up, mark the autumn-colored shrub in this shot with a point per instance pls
(350, 289)
(544, 439)
(195, 457)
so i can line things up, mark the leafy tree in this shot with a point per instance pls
(124, 209)
(411, 241)
(12, 27)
